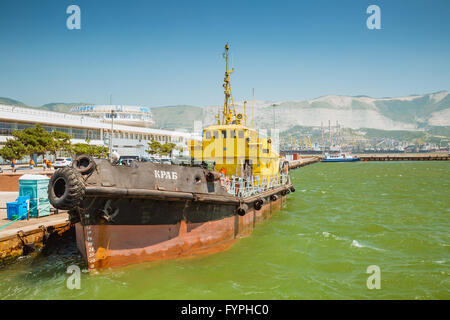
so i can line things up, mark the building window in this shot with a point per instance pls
(6, 128)
(22, 126)
(79, 133)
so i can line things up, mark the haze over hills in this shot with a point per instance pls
(416, 112)
(403, 113)
(56, 106)
(12, 102)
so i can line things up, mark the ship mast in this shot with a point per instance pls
(229, 111)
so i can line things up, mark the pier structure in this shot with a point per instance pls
(22, 237)
(294, 164)
(405, 157)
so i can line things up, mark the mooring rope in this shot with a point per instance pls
(19, 217)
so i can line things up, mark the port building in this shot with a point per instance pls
(129, 126)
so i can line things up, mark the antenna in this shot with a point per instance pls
(321, 126)
(337, 132)
(253, 107)
(329, 131)
(273, 109)
(228, 113)
(245, 113)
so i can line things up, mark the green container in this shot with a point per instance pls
(35, 186)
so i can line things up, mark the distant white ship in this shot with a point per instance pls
(339, 157)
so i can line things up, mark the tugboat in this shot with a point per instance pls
(149, 211)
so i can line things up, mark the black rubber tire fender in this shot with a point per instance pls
(258, 204)
(84, 164)
(66, 188)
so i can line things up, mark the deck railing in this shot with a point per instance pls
(245, 187)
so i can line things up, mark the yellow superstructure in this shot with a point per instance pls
(235, 148)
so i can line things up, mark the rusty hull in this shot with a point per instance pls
(148, 211)
(109, 246)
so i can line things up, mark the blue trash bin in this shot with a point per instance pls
(18, 209)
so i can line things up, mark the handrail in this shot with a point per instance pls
(240, 187)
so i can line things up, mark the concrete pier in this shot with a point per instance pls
(293, 164)
(404, 157)
(23, 236)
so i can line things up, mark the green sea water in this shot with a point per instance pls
(343, 218)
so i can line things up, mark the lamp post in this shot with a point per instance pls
(111, 133)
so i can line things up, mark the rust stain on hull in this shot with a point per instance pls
(109, 246)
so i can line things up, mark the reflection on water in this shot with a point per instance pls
(343, 218)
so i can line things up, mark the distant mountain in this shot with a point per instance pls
(62, 107)
(11, 102)
(403, 113)
(414, 112)
(176, 117)
(56, 106)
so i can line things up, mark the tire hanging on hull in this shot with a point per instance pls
(66, 188)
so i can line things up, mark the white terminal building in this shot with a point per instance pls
(130, 127)
(126, 115)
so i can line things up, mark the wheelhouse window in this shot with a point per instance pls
(216, 134)
(224, 134)
(241, 134)
(232, 134)
(208, 135)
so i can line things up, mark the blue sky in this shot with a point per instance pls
(167, 52)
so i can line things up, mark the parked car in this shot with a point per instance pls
(126, 160)
(154, 160)
(62, 162)
(166, 161)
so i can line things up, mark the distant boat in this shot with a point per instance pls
(339, 157)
